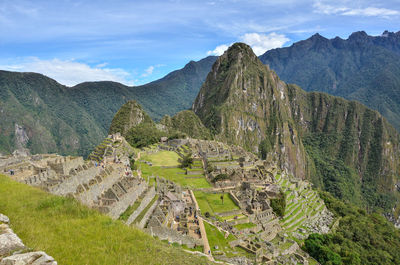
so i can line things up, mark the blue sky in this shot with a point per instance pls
(135, 42)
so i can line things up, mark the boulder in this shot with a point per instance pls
(4, 219)
(31, 258)
(9, 242)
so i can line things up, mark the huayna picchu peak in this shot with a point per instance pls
(342, 146)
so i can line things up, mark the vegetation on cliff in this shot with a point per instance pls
(359, 238)
(188, 123)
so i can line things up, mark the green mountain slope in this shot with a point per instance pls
(186, 122)
(46, 117)
(173, 93)
(342, 146)
(36, 113)
(362, 68)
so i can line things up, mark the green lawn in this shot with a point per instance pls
(75, 234)
(162, 158)
(176, 175)
(232, 217)
(244, 226)
(209, 202)
(216, 238)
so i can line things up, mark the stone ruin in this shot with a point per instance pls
(106, 183)
(175, 218)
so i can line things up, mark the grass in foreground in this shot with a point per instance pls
(75, 234)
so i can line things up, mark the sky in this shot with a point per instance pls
(135, 42)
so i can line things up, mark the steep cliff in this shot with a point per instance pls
(244, 103)
(363, 68)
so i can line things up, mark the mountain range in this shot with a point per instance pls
(46, 117)
(363, 68)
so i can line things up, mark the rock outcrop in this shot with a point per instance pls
(11, 247)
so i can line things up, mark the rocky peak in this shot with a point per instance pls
(243, 102)
(358, 36)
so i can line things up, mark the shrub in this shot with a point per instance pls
(278, 205)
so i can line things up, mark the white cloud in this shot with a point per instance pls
(69, 72)
(219, 50)
(149, 70)
(260, 43)
(347, 11)
(371, 12)
(328, 9)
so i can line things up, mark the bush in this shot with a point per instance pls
(186, 161)
(143, 135)
(220, 177)
(279, 204)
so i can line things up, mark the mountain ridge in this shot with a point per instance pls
(73, 120)
(363, 68)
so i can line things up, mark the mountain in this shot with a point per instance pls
(132, 122)
(168, 95)
(363, 68)
(46, 117)
(36, 112)
(188, 123)
(342, 146)
(128, 116)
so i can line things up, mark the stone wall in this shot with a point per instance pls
(145, 201)
(128, 199)
(97, 185)
(147, 215)
(63, 165)
(70, 184)
(234, 198)
(165, 233)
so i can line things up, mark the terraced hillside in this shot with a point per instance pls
(231, 230)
